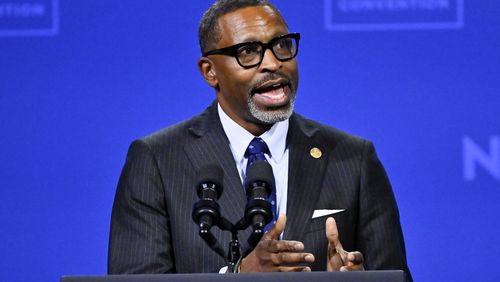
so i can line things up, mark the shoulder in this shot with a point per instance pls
(159, 143)
(170, 138)
(328, 134)
(169, 135)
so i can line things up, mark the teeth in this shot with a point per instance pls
(275, 94)
(278, 97)
(276, 85)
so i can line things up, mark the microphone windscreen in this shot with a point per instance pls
(210, 174)
(260, 171)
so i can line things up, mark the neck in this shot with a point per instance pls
(256, 129)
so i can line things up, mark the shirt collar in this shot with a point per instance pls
(239, 138)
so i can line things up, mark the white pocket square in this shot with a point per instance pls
(320, 213)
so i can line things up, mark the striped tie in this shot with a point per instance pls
(255, 152)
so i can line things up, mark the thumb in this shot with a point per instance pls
(277, 229)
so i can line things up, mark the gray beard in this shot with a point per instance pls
(271, 116)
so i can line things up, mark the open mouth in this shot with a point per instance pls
(272, 94)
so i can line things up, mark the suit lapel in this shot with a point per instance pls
(210, 145)
(305, 175)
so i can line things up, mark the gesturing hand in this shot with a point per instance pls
(272, 254)
(337, 258)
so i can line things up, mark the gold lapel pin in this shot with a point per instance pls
(315, 153)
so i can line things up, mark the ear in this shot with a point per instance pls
(207, 69)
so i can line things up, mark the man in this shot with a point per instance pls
(331, 185)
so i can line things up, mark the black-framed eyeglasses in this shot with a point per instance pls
(251, 54)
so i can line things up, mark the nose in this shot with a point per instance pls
(270, 62)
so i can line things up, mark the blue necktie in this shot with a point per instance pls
(255, 152)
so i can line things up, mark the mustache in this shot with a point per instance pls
(272, 76)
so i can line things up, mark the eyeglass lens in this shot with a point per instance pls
(283, 48)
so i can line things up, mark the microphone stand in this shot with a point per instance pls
(206, 212)
(234, 252)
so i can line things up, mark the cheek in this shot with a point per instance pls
(231, 75)
(238, 80)
(293, 70)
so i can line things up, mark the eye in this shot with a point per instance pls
(285, 43)
(249, 49)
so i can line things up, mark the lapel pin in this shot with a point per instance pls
(315, 153)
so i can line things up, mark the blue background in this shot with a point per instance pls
(71, 104)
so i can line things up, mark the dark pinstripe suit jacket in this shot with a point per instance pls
(151, 226)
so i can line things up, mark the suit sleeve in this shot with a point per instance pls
(139, 234)
(380, 238)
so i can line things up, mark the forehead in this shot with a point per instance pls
(259, 23)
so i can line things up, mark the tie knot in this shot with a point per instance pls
(256, 147)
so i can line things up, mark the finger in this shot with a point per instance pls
(277, 229)
(358, 267)
(355, 258)
(332, 233)
(334, 261)
(294, 269)
(276, 246)
(292, 258)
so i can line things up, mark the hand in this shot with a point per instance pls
(272, 254)
(337, 258)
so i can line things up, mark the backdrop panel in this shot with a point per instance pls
(79, 80)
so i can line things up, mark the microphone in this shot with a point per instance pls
(206, 211)
(259, 185)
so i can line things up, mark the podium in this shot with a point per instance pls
(361, 276)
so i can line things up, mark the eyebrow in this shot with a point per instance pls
(248, 40)
(252, 39)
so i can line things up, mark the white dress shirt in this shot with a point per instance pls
(275, 138)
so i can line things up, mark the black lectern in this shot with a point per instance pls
(362, 276)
